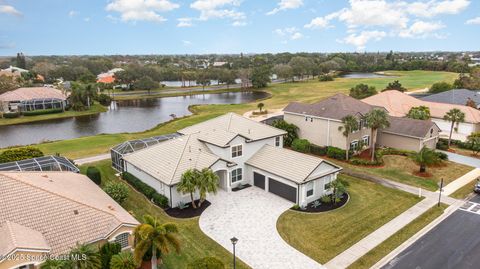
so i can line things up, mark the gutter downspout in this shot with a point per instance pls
(328, 133)
(171, 205)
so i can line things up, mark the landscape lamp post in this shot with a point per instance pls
(234, 241)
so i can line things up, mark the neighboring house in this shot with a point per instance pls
(319, 123)
(109, 76)
(457, 96)
(219, 64)
(398, 104)
(32, 98)
(240, 151)
(13, 71)
(48, 213)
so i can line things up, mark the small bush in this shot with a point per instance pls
(325, 78)
(11, 115)
(392, 151)
(117, 190)
(318, 150)
(148, 191)
(104, 99)
(442, 156)
(301, 145)
(364, 162)
(336, 153)
(326, 199)
(442, 145)
(207, 263)
(18, 154)
(106, 252)
(94, 174)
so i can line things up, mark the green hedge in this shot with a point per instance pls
(94, 174)
(318, 150)
(357, 161)
(206, 263)
(148, 191)
(301, 145)
(336, 153)
(11, 115)
(18, 154)
(42, 112)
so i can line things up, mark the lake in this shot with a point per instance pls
(362, 75)
(122, 116)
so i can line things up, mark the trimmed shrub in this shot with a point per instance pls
(148, 191)
(11, 115)
(442, 156)
(42, 112)
(325, 78)
(104, 99)
(392, 151)
(326, 199)
(106, 252)
(18, 154)
(318, 150)
(357, 161)
(117, 190)
(336, 153)
(94, 174)
(442, 145)
(207, 263)
(301, 145)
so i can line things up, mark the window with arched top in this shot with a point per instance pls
(122, 239)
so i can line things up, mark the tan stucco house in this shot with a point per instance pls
(47, 213)
(319, 123)
(240, 151)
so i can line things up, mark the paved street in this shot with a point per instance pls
(462, 159)
(454, 243)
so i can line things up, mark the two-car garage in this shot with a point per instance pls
(276, 187)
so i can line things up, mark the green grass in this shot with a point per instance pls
(402, 169)
(325, 235)
(464, 191)
(95, 109)
(387, 246)
(282, 94)
(195, 244)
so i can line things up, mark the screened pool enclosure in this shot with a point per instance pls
(42, 104)
(46, 163)
(121, 150)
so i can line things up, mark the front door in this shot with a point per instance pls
(259, 180)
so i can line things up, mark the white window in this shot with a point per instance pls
(354, 145)
(366, 140)
(277, 141)
(236, 175)
(237, 151)
(309, 188)
(122, 239)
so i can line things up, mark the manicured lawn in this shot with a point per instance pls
(282, 94)
(325, 235)
(401, 169)
(195, 244)
(387, 246)
(96, 108)
(464, 191)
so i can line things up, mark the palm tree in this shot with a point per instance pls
(454, 116)
(123, 260)
(153, 235)
(260, 106)
(54, 264)
(350, 124)
(425, 157)
(376, 119)
(188, 183)
(208, 182)
(86, 257)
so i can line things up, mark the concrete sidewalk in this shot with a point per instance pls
(461, 181)
(92, 159)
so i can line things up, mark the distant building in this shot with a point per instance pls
(219, 64)
(109, 76)
(13, 71)
(456, 96)
(32, 98)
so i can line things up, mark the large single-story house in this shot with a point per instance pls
(320, 122)
(32, 98)
(240, 151)
(47, 213)
(456, 96)
(109, 76)
(398, 104)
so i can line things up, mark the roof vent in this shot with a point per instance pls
(75, 212)
(111, 208)
(248, 131)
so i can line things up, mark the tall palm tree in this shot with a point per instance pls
(350, 124)
(123, 260)
(208, 182)
(54, 264)
(425, 157)
(86, 257)
(376, 119)
(153, 235)
(455, 115)
(188, 183)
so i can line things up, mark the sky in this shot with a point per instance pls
(106, 27)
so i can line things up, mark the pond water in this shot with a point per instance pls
(122, 116)
(363, 75)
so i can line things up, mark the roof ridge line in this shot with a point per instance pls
(179, 159)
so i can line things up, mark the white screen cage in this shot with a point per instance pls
(46, 163)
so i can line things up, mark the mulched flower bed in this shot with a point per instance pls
(324, 207)
(188, 212)
(241, 187)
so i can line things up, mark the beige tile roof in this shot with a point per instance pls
(167, 161)
(287, 163)
(31, 93)
(235, 124)
(217, 137)
(16, 236)
(398, 104)
(64, 207)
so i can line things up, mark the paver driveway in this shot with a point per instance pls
(251, 216)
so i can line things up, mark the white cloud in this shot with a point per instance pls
(141, 10)
(321, 22)
(86, 19)
(474, 21)
(72, 13)
(239, 23)
(372, 13)
(360, 40)
(10, 10)
(219, 9)
(422, 29)
(291, 33)
(184, 22)
(434, 8)
(186, 43)
(286, 4)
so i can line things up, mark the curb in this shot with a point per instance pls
(385, 260)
